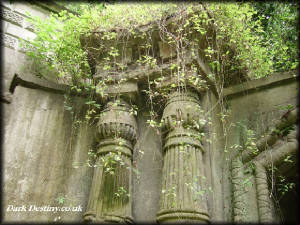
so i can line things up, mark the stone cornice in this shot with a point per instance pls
(256, 85)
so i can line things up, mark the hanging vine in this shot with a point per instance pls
(89, 50)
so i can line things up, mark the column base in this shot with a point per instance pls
(90, 217)
(182, 216)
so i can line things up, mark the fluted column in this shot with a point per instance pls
(183, 196)
(110, 195)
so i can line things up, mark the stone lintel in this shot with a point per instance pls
(136, 72)
(128, 90)
(165, 50)
(173, 81)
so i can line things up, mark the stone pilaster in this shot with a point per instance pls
(183, 196)
(238, 191)
(263, 194)
(110, 196)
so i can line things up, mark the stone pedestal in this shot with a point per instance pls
(183, 196)
(110, 195)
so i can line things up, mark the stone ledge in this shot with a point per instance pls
(129, 89)
(51, 6)
(12, 16)
(37, 83)
(9, 41)
(264, 82)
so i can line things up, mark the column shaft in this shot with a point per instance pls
(110, 196)
(183, 197)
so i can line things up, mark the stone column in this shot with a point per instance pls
(183, 196)
(110, 196)
(238, 191)
(267, 158)
(263, 194)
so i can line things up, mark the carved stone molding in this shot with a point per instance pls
(110, 196)
(10, 41)
(183, 196)
(182, 109)
(12, 17)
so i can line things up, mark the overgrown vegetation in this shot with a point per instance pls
(239, 41)
(249, 38)
(280, 22)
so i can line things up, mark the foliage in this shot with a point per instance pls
(245, 43)
(281, 29)
(79, 7)
(284, 186)
(57, 46)
(235, 28)
(240, 40)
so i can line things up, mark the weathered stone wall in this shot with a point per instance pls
(266, 101)
(148, 161)
(15, 26)
(40, 141)
(41, 146)
(257, 106)
(45, 150)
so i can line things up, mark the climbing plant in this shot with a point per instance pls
(240, 27)
(239, 41)
(280, 22)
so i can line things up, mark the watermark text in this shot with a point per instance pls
(46, 208)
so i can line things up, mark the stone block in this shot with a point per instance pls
(12, 17)
(122, 88)
(25, 7)
(165, 50)
(10, 41)
(126, 55)
(20, 32)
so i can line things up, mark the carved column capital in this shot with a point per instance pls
(117, 121)
(183, 110)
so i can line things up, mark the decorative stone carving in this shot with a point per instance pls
(12, 17)
(29, 26)
(110, 195)
(183, 197)
(10, 41)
